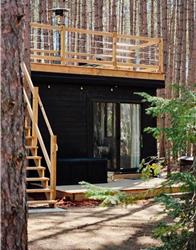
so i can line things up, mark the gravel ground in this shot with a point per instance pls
(84, 228)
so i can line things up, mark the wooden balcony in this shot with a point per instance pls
(61, 49)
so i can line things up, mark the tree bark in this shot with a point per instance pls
(171, 45)
(135, 17)
(122, 18)
(114, 19)
(192, 43)
(152, 19)
(13, 174)
(179, 35)
(144, 23)
(131, 16)
(84, 26)
(184, 45)
(158, 19)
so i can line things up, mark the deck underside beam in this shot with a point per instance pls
(52, 68)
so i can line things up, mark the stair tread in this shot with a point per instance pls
(28, 147)
(37, 178)
(38, 190)
(33, 157)
(27, 127)
(41, 202)
(35, 168)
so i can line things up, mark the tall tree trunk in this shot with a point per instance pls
(110, 17)
(84, 14)
(143, 18)
(161, 121)
(84, 26)
(179, 35)
(122, 18)
(140, 17)
(165, 58)
(171, 45)
(164, 32)
(43, 12)
(79, 14)
(144, 23)
(184, 45)
(49, 14)
(135, 17)
(114, 19)
(13, 197)
(98, 6)
(131, 15)
(159, 18)
(152, 19)
(192, 43)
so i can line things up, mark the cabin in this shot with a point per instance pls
(84, 88)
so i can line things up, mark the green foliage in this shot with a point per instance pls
(107, 196)
(151, 170)
(182, 210)
(186, 180)
(181, 112)
(171, 239)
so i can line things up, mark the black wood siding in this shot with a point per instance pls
(68, 103)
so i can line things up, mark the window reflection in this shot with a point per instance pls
(117, 134)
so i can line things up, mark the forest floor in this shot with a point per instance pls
(95, 228)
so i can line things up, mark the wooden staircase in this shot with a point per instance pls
(38, 184)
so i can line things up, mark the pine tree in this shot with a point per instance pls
(13, 198)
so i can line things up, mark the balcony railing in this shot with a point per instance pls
(87, 48)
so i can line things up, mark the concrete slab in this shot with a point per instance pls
(122, 184)
(45, 210)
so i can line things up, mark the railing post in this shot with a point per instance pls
(35, 115)
(53, 149)
(62, 44)
(114, 41)
(161, 55)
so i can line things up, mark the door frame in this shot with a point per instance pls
(118, 130)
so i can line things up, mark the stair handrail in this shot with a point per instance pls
(39, 136)
(50, 161)
(45, 116)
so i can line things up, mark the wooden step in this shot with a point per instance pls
(37, 179)
(28, 137)
(35, 168)
(31, 147)
(27, 131)
(41, 202)
(27, 127)
(33, 157)
(38, 190)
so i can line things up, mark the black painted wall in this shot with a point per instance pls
(68, 103)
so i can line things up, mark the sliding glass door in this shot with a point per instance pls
(129, 135)
(117, 134)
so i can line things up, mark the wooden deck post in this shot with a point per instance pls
(53, 149)
(161, 55)
(62, 44)
(35, 115)
(114, 41)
